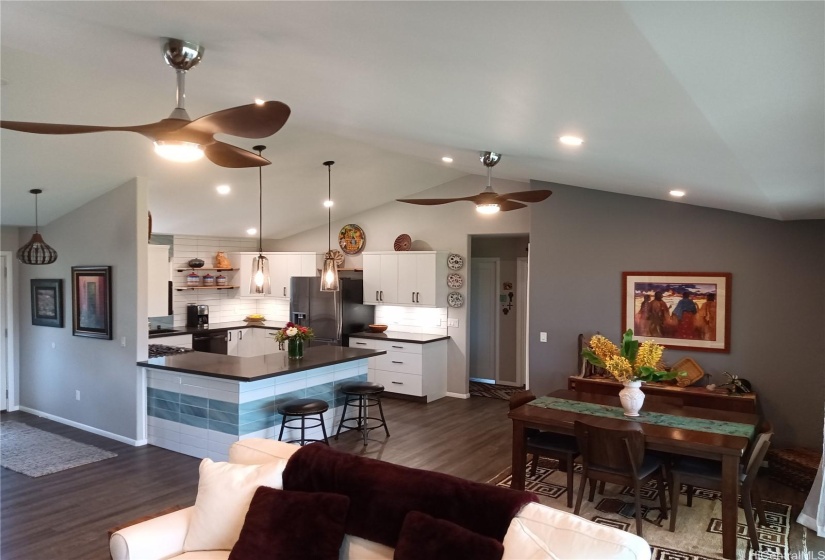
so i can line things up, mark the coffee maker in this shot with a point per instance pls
(197, 316)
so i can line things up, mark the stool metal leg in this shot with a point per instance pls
(381, 410)
(362, 413)
(303, 430)
(323, 428)
(283, 424)
(343, 416)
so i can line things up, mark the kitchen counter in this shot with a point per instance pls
(217, 327)
(259, 367)
(200, 403)
(414, 338)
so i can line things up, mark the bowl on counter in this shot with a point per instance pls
(378, 328)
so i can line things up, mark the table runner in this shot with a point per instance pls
(657, 418)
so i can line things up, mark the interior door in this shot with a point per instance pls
(484, 318)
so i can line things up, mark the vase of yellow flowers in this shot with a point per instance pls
(631, 364)
(294, 336)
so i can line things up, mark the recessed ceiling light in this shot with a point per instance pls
(223, 189)
(259, 101)
(677, 194)
(251, 231)
(447, 159)
(328, 203)
(571, 140)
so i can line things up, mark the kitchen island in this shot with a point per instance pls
(200, 403)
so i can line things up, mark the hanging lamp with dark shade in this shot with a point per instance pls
(329, 276)
(260, 282)
(36, 251)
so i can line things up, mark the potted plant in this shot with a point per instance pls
(294, 336)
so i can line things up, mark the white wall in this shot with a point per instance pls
(10, 241)
(445, 227)
(110, 230)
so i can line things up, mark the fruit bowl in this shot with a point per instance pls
(378, 328)
(254, 318)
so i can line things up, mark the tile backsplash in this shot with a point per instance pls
(224, 305)
(420, 320)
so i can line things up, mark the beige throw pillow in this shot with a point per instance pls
(225, 491)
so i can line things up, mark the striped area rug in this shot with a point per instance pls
(489, 390)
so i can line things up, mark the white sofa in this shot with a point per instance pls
(537, 531)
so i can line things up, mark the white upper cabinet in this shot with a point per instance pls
(282, 267)
(159, 275)
(415, 278)
(380, 278)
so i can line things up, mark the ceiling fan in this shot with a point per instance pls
(178, 137)
(488, 201)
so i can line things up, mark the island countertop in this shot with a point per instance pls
(259, 367)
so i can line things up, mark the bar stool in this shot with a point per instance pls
(362, 394)
(299, 409)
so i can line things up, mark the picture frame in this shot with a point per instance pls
(701, 322)
(92, 301)
(47, 302)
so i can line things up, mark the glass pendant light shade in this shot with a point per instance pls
(329, 276)
(260, 282)
(36, 251)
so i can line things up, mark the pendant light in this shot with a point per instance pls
(260, 281)
(36, 251)
(329, 276)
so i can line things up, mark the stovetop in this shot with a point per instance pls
(159, 350)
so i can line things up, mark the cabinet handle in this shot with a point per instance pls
(230, 336)
(416, 297)
(397, 383)
(361, 343)
(240, 335)
(412, 297)
(284, 291)
(382, 295)
(376, 295)
(398, 347)
(397, 362)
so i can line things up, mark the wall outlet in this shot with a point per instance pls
(452, 322)
(77, 395)
(123, 341)
(542, 337)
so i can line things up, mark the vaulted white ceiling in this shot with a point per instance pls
(725, 100)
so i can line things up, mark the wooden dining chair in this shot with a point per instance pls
(560, 447)
(617, 455)
(693, 471)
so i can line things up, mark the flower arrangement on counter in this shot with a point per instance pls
(294, 332)
(633, 362)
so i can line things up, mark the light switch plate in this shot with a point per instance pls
(452, 322)
(542, 337)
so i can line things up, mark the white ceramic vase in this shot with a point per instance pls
(632, 397)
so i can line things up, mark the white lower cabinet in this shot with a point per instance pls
(416, 369)
(251, 342)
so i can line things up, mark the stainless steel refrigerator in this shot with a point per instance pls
(332, 316)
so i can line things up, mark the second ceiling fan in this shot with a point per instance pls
(488, 201)
(178, 137)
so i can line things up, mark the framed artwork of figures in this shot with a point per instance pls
(92, 301)
(688, 310)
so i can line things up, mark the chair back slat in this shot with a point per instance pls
(758, 451)
(618, 449)
(520, 398)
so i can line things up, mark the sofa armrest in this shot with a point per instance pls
(156, 539)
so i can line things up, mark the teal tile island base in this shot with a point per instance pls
(202, 414)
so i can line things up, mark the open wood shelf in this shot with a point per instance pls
(202, 268)
(182, 288)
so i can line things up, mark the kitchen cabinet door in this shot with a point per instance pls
(407, 279)
(159, 275)
(427, 280)
(311, 263)
(380, 278)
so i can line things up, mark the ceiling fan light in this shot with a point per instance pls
(487, 208)
(181, 152)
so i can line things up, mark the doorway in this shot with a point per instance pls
(497, 324)
(6, 322)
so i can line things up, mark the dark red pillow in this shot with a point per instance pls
(423, 536)
(292, 526)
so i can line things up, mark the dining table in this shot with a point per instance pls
(668, 426)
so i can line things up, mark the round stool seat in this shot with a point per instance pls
(362, 388)
(301, 407)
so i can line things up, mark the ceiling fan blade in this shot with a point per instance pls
(526, 196)
(227, 155)
(49, 128)
(433, 201)
(246, 121)
(506, 205)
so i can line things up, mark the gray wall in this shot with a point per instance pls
(53, 363)
(9, 237)
(583, 240)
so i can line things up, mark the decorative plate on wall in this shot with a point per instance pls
(337, 255)
(402, 243)
(455, 262)
(454, 280)
(455, 299)
(351, 239)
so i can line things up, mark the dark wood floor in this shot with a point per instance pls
(66, 515)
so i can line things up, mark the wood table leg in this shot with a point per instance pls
(730, 511)
(519, 463)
